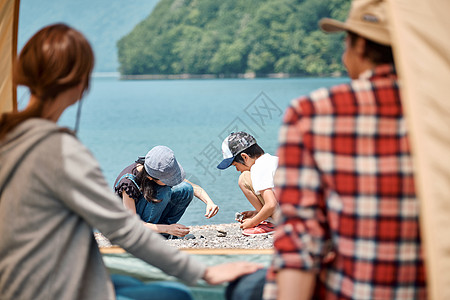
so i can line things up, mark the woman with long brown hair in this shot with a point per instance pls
(52, 193)
(155, 188)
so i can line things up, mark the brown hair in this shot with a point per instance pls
(377, 53)
(254, 151)
(54, 60)
(148, 187)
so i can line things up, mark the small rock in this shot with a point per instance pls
(222, 230)
(189, 236)
(211, 236)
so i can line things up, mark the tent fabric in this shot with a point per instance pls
(421, 36)
(8, 49)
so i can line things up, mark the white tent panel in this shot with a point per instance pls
(421, 31)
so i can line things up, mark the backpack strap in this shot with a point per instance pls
(130, 177)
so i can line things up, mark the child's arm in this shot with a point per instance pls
(268, 209)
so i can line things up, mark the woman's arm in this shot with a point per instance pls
(211, 208)
(84, 191)
(268, 209)
(173, 229)
(128, 202)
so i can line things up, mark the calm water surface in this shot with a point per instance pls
(124, 119)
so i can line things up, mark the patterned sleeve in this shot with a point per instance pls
(301, 235)
(127, 186)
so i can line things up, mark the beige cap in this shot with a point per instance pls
(367, 18)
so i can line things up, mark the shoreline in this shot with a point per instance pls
(220, 236)
(250, 75)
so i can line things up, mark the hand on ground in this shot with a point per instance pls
(177, 229)
(230, 271)
(248, 223)
(211, 210)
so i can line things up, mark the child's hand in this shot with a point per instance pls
(248, 214)
(248, 223)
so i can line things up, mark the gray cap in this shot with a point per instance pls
(160, 163)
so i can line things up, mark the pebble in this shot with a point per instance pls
(212, 236)
(222, 236)
(189, 236)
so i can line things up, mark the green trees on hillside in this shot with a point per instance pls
(233, 36)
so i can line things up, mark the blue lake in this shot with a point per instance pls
(122, 120)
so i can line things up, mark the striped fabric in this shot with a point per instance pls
(345, 179)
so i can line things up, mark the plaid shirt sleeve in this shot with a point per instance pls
(301, 236)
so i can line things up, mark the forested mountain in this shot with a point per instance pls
(234, 36)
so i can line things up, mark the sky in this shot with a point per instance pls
(103, 22)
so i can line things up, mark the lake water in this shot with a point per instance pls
(122, 120)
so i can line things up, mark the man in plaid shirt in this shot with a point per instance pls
(345, 183)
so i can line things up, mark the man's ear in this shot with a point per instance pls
(360, 47)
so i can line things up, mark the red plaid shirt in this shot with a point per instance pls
(345, 180)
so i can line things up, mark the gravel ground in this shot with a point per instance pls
(212, 237)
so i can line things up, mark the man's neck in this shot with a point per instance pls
(365, 66)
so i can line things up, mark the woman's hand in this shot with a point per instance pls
(211, 210)
(177, 229)
(230, 271)
(173, 229)
(200, 193)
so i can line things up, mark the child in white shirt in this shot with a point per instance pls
(256, 181)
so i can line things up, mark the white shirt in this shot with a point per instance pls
(262, 172)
